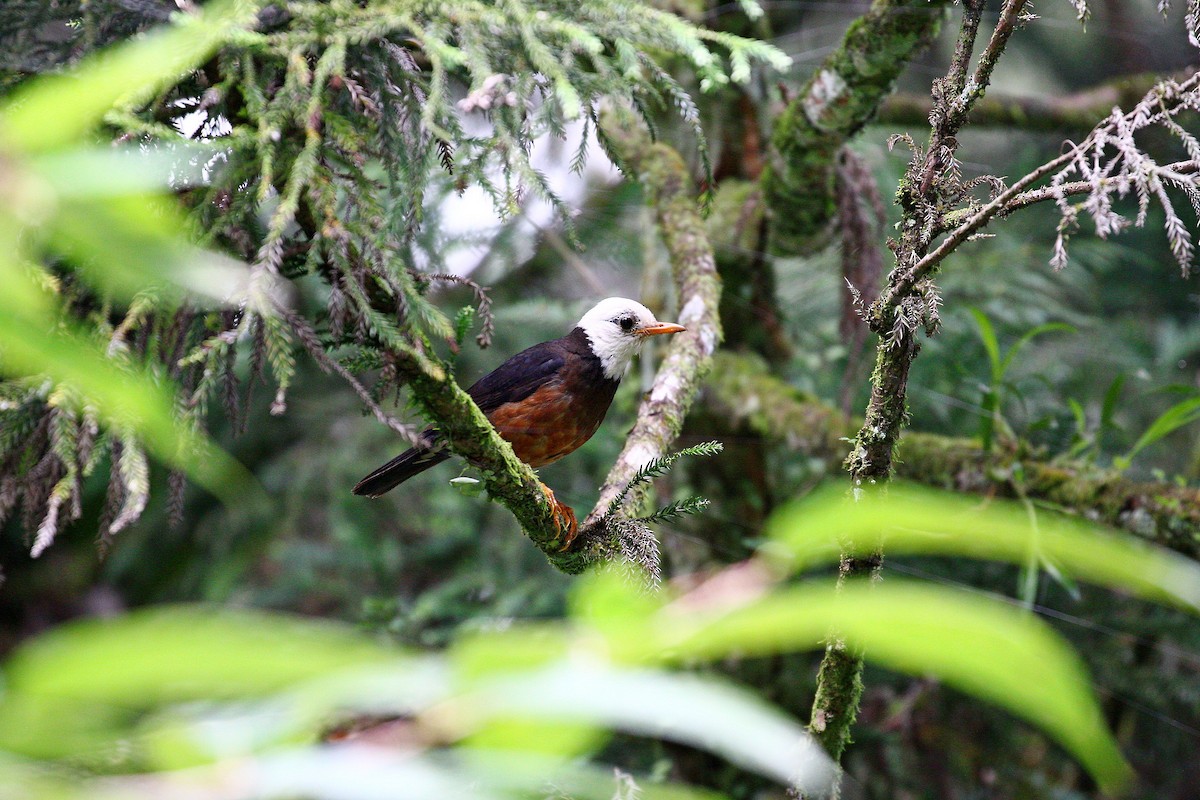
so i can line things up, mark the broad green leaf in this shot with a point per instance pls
(977, 645)
(163, 655)
(94, 172)
(697, 711)
(129, 74)
(79, 689)
(353, 773)
(910, 519)
(128, 243)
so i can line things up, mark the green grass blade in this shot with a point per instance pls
(987, 335)
(1177, 416)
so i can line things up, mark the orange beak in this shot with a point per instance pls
(660, 328)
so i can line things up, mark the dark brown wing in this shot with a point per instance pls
(519, 377)
(513, 381)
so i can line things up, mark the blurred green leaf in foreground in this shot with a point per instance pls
(229, 704)
(101, 221)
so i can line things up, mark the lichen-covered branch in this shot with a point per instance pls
(904, 304)
(744, 391)
(669, 190)
(930, 181)
(841, 97)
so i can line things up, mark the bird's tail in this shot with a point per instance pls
(400, 469)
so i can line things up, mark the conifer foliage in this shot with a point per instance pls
(335, 128)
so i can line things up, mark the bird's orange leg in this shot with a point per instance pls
(564, 517)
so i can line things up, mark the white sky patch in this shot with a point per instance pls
(472, 215)
(473, 212)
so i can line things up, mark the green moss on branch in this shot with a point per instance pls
(838, 100)
(669, 190)
(1164, 513)
(469, 434)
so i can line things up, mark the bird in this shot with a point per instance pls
(547, 400)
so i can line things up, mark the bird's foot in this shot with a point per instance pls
(564, 518)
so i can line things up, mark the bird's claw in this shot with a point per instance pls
(564, 518)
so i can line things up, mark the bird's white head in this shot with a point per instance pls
(616, 328)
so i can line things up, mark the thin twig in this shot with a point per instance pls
(1010, 15)
(308, 339)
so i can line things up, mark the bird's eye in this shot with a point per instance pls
(626, 323)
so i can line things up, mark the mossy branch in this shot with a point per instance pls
(841, 97)
(466, 430)
(745, 392)
(1072, 112)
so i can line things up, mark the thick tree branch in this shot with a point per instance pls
(663, 174)
(841, 97)
(744, 391)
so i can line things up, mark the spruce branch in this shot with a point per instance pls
(658, 467)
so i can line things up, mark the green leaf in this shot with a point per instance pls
(129, 243)
(77, 100)
(975, 644)
(84, 685)
(910, 519)
(173, 654)
(1027, 337)
(697, 711)
(1182, 413)
(987, 334)
(85, 172)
